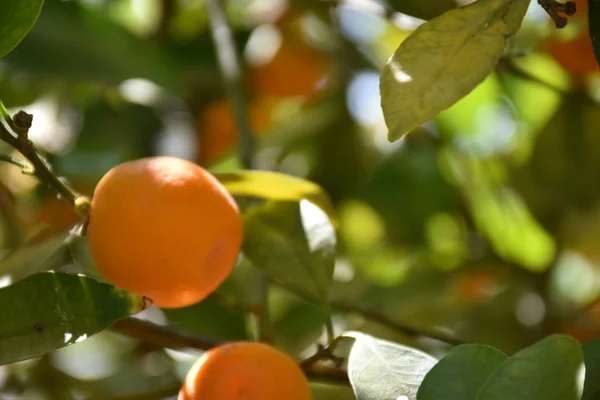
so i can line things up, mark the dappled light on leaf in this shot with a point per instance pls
(275, 186)
(499, 212)
(445, 59)
(382, 370)
(49, 310)
(293, 243)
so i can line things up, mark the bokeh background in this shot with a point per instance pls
(483, 224)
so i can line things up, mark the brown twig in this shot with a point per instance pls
(408, 330)
(231, 71)
(230, 66)
(554, 9)
(168, 9)
(173, 338)
(380, 318)
(162, 335)
(166, 392)
(40, 167)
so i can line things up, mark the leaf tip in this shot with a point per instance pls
(395, 134)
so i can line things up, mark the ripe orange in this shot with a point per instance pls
(218, 130)
(245, 371)
(581, 7)
(476, 286)
(576, 55)
(164, 228)
(295, 70)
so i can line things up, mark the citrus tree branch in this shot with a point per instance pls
(380, 318)
(167, 392)
(229, 64)
(230, 67)
(173, 338)
(14, 131)
(26, 167)
(162, 335)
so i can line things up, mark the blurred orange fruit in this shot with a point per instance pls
(218, 128)
(164, 228)
(581, 7)
(295, 70)
(586, 327)
(245, 370)
(576, 54)
(476, 286)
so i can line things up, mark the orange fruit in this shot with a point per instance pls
(476, 286)
(218, 129)
(295, 70)
(245, 371)
(581, 7)
(576, 54)
(164, 228)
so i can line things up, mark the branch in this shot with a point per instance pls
(554, 9)
(15, 132)
(26, 168)
(167, 392)
(382, 319)
(162, 336)
(168, 9)
(173, 338)
(229, 64)
(507, 66)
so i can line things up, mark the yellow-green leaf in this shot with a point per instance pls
(275, 186)
(445, 59)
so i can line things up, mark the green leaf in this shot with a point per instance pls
(275, 186)
(424, 9)
(461, 374)
(75, 43)
(445, 59)
(16, 19)
(548, 370)
(32, 258)
(591, 356)
(294, 244)
(503, 217)
(47, 311)
(382, 370)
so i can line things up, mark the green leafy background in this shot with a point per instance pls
(479, 219)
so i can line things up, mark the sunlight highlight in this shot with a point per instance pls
(399, 74)
(314, 222)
